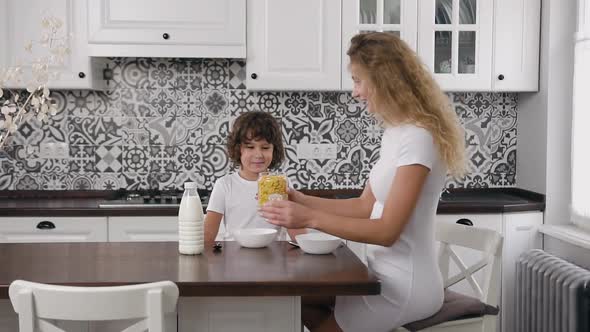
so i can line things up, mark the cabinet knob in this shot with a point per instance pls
(166, 36)
(45, 224)
(254, 76)
(81, 74)
(501, 77)
(464, 221)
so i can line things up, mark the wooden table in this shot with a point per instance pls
(248, 283)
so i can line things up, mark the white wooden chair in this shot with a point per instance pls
(37, 304)
(489, 243)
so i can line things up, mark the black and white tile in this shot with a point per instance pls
(163, 122)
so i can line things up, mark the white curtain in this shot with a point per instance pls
(581, 121)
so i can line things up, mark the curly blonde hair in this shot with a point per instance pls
(403, 91)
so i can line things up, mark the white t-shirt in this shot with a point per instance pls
(411, 284)
(236, 198)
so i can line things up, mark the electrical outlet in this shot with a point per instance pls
(62, 150)
(54, 150)
(46, 150)
(316, 151)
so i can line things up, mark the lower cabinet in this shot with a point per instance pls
(48, 229)
(519, 231)
(53, 229)
(146, 229)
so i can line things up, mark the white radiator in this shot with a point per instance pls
(552, 295)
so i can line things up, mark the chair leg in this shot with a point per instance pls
(155, 311)
(26, 320)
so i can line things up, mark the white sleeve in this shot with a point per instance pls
(217, 197)
(417, 147)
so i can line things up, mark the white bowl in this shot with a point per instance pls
(318, 243)
(255, 237)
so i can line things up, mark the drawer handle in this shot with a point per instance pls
(464, 221)
(45, 225)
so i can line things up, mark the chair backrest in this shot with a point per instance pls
(486, 241)
(35, 303)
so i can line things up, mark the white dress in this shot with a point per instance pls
(411, 284)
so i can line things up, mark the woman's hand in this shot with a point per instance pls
(295, 196)
(287, 214)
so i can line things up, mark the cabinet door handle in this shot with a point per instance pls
(501, 77)
(464, 221)
(254, 76)
(45, 224)
(165, 36)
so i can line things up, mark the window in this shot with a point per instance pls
(581, 121)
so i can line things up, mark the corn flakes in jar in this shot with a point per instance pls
(271, 186)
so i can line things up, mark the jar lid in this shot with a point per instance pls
(190, 185)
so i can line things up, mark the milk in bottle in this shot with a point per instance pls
(190, 222)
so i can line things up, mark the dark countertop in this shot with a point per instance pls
(277, 270)
(85, 203)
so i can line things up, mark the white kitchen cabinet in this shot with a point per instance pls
(516, 45)
(173, 28)
(455, 41)
(53, 229)
(481, 45)
(468, 45)
(20, 22)
(293, 45)
(244, 314)
(147, 229)
(393, 16)
(144, 229)
(520, 234)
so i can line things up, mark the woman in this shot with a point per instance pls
(422, 141)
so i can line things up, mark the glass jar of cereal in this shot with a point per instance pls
(271, 186)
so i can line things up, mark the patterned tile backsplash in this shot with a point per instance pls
(163, 122)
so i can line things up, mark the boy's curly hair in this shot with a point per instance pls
(256, 125)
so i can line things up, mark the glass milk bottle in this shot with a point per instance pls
(191, 238)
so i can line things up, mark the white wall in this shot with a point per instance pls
(544, 125)
(544, 118)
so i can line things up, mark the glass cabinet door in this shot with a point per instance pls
(392, 16)
(455, 42)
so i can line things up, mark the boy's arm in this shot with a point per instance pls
(212, 221)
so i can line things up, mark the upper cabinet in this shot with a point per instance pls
(481, 45)
(468, 45)
(516, 45)
(172, 28)
(455, 41)
(20, 22)
(393, 16)
(293, 45)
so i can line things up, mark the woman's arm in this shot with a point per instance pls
(359, 207)
(212, 221)
(399, 206)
